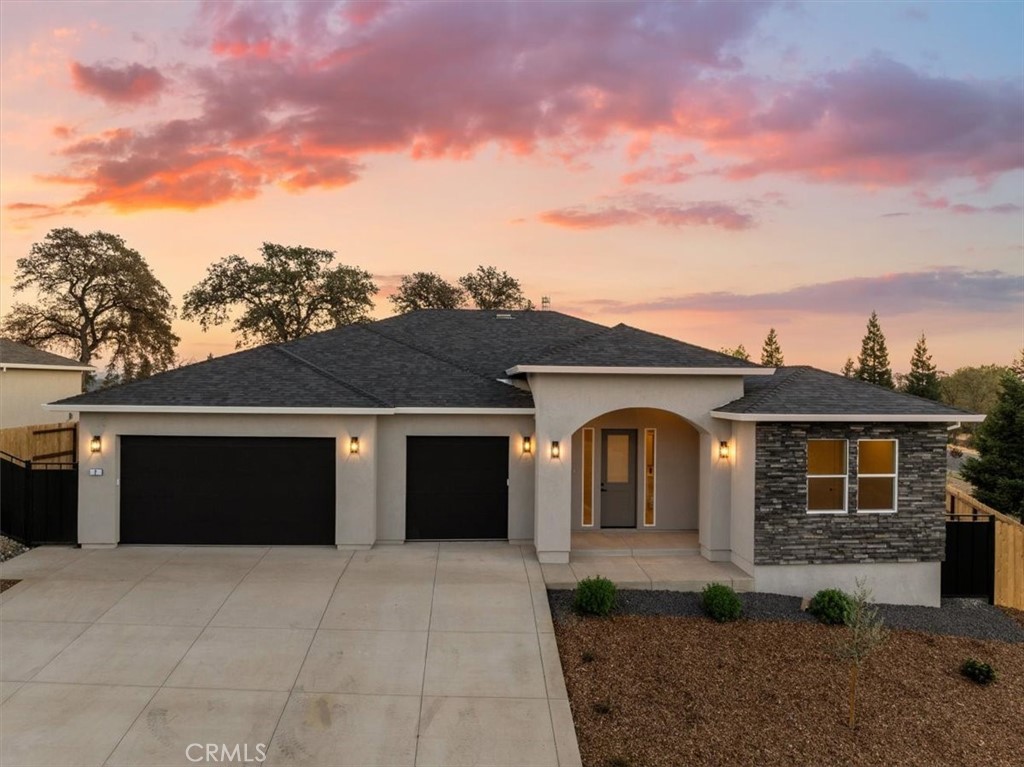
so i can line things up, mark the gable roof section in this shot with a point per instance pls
(625, 347)
(804, 393)
(15, 355)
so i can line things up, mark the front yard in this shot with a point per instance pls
(650, 690)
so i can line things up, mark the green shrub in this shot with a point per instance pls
(979, 672)
(831, 607)
(594, 596)
(720, 602)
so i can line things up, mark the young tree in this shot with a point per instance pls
(293, 292)
(771, 352)
(998, 472)
(95, 296)
(426, 290)
(923, 379)
(873, 362)
(491, 289)
(740, 352)
(849, 370)
(865, 632)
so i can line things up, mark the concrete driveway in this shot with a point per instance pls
(422, 654)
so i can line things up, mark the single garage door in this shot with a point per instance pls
(456, 487)
(227, 490)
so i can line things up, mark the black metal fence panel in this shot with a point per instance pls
(38, 502)
(969, 569)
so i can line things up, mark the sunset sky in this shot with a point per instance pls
(702, 170)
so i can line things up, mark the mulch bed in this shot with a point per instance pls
(6, 584)
(656, 690)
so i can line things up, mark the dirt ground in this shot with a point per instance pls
(6, 584)
(653, 691)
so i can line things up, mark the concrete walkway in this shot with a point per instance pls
(423, 654)
(679, 572)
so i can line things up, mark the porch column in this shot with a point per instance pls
(553, 499)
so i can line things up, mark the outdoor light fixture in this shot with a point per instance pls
(95, 444)
(527, 445)
(353, 445)
(556, 450)
(723, 449)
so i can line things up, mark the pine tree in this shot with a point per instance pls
(998, 472)
(849, 370)
(771, 352)
(923, 379)
(873, 362)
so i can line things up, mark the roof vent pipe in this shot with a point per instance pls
(502, 316)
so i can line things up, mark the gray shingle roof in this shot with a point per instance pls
(802, 390)
(623, 346)
(18, 354)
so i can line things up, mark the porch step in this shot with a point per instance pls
(636, 553)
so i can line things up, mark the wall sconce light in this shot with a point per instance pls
(95, 445)
(723, 449)
(556, 450)
(353, 445)
(527, 445)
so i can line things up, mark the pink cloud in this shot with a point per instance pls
(674, 171)
(638, 209)
(943, 203)
(301, 93)
(118, 84)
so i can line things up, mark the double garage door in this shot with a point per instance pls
(260, 491)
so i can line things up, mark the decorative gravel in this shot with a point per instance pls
(10, 548)
(956, 617)
(666, 691)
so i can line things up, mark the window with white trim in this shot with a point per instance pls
(826, 476)
(877, 461)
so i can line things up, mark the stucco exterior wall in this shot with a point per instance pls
(565, 402)
(356, 475)
(391, 476)
(900, 583)
(23, 392)
(676, 468)
(741, 527)
(784, 533)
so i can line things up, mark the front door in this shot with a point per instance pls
(618, 478)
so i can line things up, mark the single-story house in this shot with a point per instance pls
(524, 426)
(29, 378)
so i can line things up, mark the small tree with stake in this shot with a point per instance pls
(865, 632)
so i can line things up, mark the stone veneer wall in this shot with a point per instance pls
(784, 533)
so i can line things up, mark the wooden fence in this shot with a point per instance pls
(42, 443)
(1009, 544)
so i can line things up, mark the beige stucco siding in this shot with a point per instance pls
(393, 431)
(741, 527)
(676, 475)
(23, 392)
(355, 477)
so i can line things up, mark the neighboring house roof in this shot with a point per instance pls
(19, 356)
(804, 393)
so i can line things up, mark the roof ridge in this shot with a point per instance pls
(330, 376)
(891, 391)
(574, 342)
(426, 352)
(788, 377)
(751, 363)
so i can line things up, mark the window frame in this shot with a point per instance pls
(846, 477)
(895, 475)
(654, 478)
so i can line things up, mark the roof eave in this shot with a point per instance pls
(34, 366)
(243, 410)
(657, 371)
(850, 417)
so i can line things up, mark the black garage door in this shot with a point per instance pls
(227, 490)
(456, 487)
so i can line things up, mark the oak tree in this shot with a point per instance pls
(292, 292)
(426, 290)
(493, 289)
(95, 297)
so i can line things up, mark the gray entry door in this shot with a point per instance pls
(618, 478)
